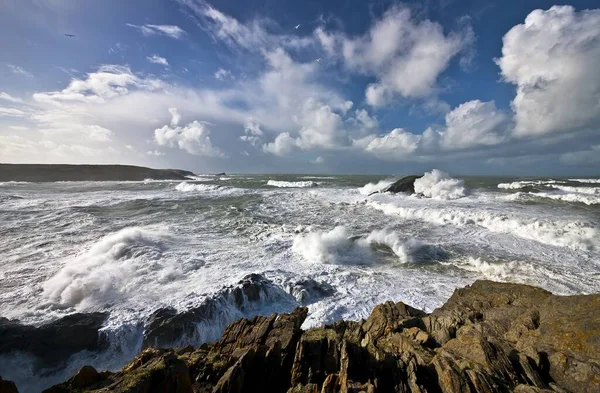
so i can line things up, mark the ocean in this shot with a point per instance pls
(130, 248)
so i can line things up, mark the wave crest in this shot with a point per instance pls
(292, 184)
(439, 185)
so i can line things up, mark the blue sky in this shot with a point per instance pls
(472, 87)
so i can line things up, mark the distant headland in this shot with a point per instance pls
(50, 173)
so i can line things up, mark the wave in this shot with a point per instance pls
(115, 265)
(572, 234)
(13, 183)
(439, 185)
(192, 187)
(292, 184)
(586, 180)
(525, 184)
(339, 247)
(372, 188)
(570, 197)
(318, 177)
(578, 190)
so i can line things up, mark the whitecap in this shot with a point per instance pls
(439, 185)
(292, 184)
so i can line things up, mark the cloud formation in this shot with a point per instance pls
(155, 59)
(167, 30)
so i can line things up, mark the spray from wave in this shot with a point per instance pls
(339, 247)
(292, 184)
(372, 188)
(114, 266)
(439, 185)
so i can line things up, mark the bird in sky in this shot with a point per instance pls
(70, 35)
(297, 27)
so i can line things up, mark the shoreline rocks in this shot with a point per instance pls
(488, 337)
(405, 185)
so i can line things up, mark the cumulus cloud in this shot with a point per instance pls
(167, 30)
(155, 153)
(252, 132)
(192, 138)
(553, 60)
(155, 59)
(406, 56)
(398, 144)
(475, 123)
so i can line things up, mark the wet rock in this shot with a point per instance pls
(309, 291)
(488, 338)
(405, 185)
(168, 327)
(54, 342)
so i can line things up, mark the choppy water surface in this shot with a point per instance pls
(132, 247)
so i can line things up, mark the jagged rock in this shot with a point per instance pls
(7, 386)
(405, 185)
(167, 326)
(54, 342)
(489, 337)
(309, 290)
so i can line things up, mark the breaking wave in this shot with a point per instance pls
(372, 188)
(439, 185)
(191, 187)
(115, 265)
(572, 234)
(292, 184)
(339, 247)
(586, 180)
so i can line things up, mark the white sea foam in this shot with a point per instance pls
(586, 198)
(115, 265)
(586, 180)
(339, 247)
(439, 185)
(292, 184)
(371, 188)
(191, 187)
(13, 183)
(578, 190)
(525, 183)
(573, 234)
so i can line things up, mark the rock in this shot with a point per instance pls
(221, 174)
(308, 291)
(405, 185)
(489, 337)
(54, 342)
(168, 327)
(7, 386)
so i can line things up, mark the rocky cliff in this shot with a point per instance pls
(489, 337)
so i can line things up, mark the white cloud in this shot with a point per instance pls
(253, 132)
(167, 30)
(11, 112)
(193, 138)
(7, 97)
(318, 161)
(283, 145)
(406, 56)
(92, 133)
(19, 70)
(155, 59)
(475, 123)
(155, 153)
(553, 59)
(398, 144)
(175, 116)
(108, 82)
(223, 74)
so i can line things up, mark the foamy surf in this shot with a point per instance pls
(292, 184)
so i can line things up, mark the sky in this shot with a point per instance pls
(477, 87)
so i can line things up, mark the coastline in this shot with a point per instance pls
(488, 337)
(54, 172)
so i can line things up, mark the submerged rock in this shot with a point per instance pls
(489, 337)
(405, 185)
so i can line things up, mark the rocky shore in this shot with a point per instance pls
(488, 337)
(51, 173)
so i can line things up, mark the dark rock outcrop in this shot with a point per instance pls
(7, 386)
(54, 342)
(167, 326)
(489, 337)
(405, 185)
(50, 172)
